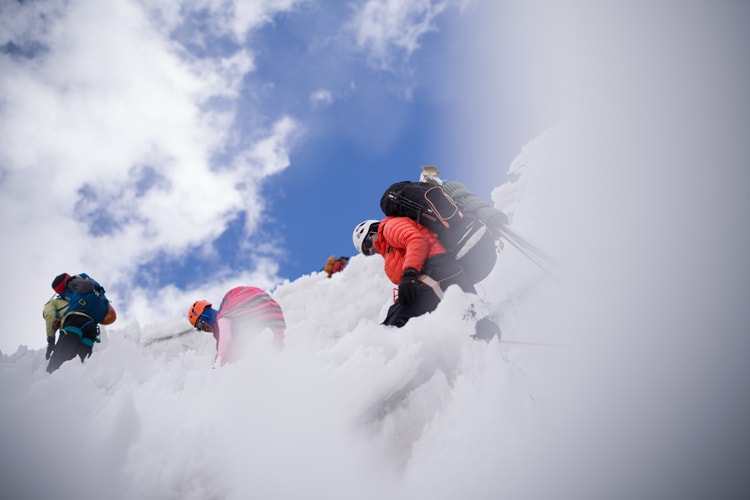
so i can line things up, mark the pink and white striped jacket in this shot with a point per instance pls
(246, 310)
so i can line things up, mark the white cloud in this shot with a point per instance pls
(236, 18)
(321, 98)
(390, 29)
(103, 112)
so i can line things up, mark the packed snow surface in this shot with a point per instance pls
(592, 393)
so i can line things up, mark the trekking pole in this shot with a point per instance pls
(531, 252)
(168, 337)
(527, 245)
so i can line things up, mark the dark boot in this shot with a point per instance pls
(486, 329)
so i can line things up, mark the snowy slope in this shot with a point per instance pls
(351, 409)
(157, 421)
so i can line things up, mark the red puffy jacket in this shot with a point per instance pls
(404, 243)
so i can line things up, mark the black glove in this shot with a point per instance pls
(407, 288)
(50, 347)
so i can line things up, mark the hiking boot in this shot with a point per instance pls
(486, 329)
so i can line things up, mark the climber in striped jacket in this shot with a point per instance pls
(244, 313)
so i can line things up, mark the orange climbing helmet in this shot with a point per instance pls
(198, 307)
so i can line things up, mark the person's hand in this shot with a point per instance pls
(50, 347)
(407, 288)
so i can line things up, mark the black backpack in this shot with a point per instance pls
(429, 205)
(463, 235)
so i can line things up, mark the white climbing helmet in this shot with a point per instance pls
(361, 232)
